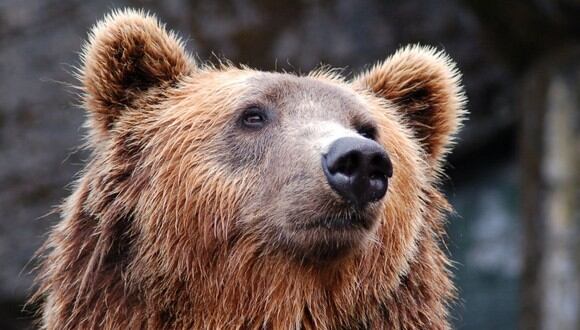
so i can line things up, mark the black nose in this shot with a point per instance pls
(357, 169)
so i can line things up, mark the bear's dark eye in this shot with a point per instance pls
(368, 132)
(254, 117)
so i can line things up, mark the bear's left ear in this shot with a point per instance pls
(425, 86)
(128, 53)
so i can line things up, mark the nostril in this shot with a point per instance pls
(382, 165)
(378, 176)
(347, 164)
(377, 160)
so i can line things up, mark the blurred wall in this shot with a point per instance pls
(40, 128)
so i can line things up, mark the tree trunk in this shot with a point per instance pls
(550, 147)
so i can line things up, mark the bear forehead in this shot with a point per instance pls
(293, 93)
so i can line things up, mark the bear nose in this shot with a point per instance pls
(357, 169)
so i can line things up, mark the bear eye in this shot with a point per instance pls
(368, 132)
(254, 118)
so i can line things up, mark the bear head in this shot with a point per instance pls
(212, 176)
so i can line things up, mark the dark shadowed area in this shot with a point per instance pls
(514, 178)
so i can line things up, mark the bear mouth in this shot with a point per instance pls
(338, 223)
(330, 237)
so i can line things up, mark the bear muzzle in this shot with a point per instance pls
(358, 169)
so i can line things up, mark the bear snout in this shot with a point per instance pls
(357, 169)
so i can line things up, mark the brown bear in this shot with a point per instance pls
(221, 197)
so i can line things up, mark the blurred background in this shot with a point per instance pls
(514, 178)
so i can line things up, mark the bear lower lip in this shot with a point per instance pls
(328, 239)
(336, 224)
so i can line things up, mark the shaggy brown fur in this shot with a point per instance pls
(181, 219)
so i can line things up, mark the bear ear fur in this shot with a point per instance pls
(425, 86)
(128, 53)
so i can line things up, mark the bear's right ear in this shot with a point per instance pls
(128, 53)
